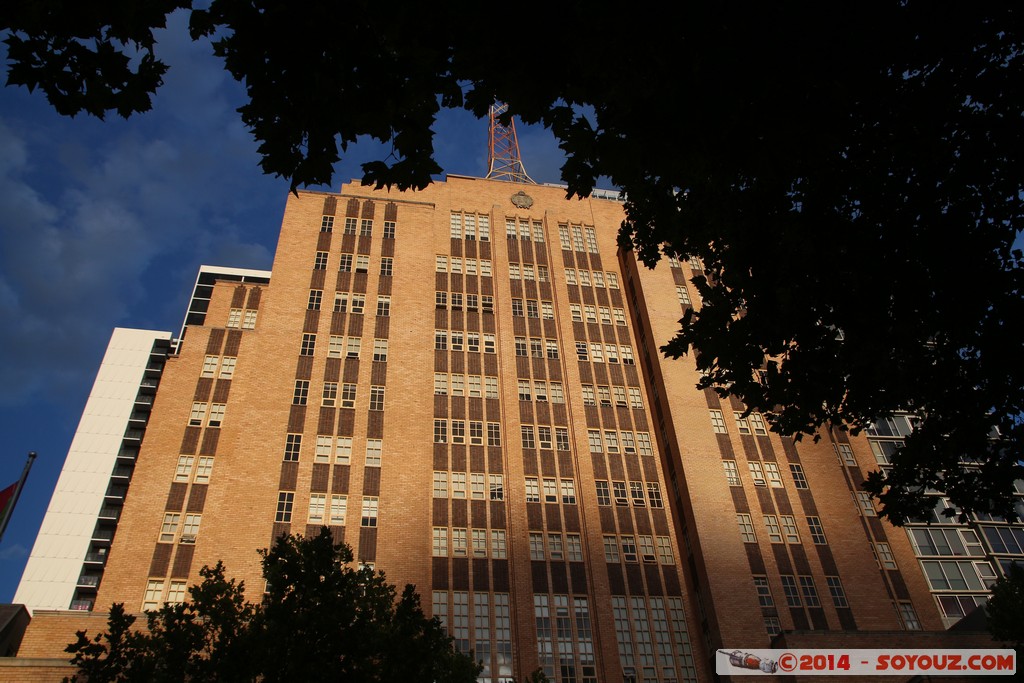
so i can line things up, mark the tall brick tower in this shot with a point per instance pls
(463, 383)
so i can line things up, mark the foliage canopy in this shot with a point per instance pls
(836, 167)
(320, 619)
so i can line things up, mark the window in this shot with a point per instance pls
(665, 554)
(835, 589)
(810, 593)
(551, 349)
(591, 313)
(636, 493)
(387, 266)
(609, 350)
(757, 474)
(389, 230)
(772, 626)
(176, 593)
(317, 507)
(629, 550)
(320, 262)
(576, 313)
(301, 392)
(513, 271)
(190, 529)
(441, 263)
(517, 308)
(292, 446)
(183, 472)
(498, 544)
(340, 302)
(154, 592)
(619, 493)
(348, 395)
(285, 499)
(741, 423)
(345, 265)
(789, 528)
(611, 549)
(568, 487)
(774, 476)
(594, 440)
(383, 306)
(374, 447)
(611, 442)
(867, 508)
(536, 546)
(846, 454)
(764, 591)
(532, 490)
(682, 295)
(380, 350)
(555, 546)
(627, 355)
(885, 557)
(613, 280)
(376, 398)
(908, 616)
(717, 422)
(308, 345)
(169, 527)
(493, 434)
(496, 486)
(227, 367)
(603, 493)
(330, 395)
(358, 303)
(440, 484)
(799, 480)
(557, 393)
(362, 263)
(757, 423)
(791, 591)
(598, 279)
(771, 523)
(369, 513)
(458, 428)
(531, 308)
(746, 528)
(620, 316)
(654, 495)
(315, 298)
(546, 310)
(732, 474)
(343, 450)
(490, 387)
(596, 352)
(817, 531)
(544, 436)
(209, 366)
(197, 415)
(439, 542)
(526, 432)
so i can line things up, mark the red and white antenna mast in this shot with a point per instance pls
(503, 160)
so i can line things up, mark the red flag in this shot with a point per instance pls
(7, 499)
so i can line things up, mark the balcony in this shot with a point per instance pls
(110, 512)
(82, 605)
(96, 556)
(89, 581)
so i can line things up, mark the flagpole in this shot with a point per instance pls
(17, 492)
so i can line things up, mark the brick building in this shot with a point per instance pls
(509, 440)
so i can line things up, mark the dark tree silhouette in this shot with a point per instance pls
(841, 169)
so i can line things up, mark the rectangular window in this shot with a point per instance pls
(383, 306)
(197, 415)
(846, 454)
(190, 529)
(741, 423)
(867, 507)
(532, 490)
(340, 302)
(647, 548)
(285, 500)
(358, 303)
(771, 523)
(526, 432)
(292, 446)
(598, 279)
(732, 474)
(717, 422)
(568, 487)
(227, 367)
(636, 493)
(531, 308)
(439, 542)
(343, 450)
(665, 554)
(611, 549)
(209, 366)
(757, 423)
(810, 593)
(835, 589)
(499, 547)
(348, 395)
(629, 550)
(517, 308)
(441, 263)
(496, 486)
(440, 484)
(369, 512)
(315, 298)
(757, 474)
(389, 230)
(387, 266)
(654, 495)
(791, 591)
(544, 436)
(603, 493)
(301, 392)
(536, 546)
(885, 556)
(591, 313)
(764, 592)
(627, 355)
(183, 472)
(493, 434)
(350, 226)
(817, 531)
(458, 430)
(317, 507)
(555, 551)
(682, 295)
(456, 229)
(320, 262)
(380, 350)
(591, 240)
(374, 448)
(574, 547)
(376, 398)
(799, 480)
(330, 394)
(596, 352)
(169, 527)
(345, 265)
(613, 280)
(746, 528)
(619, 493)
(789, 529)
(557, 393)
(620, 316)
(459, 542)
(308, 345)
(774, 475)
(152, 597)
(362, 263)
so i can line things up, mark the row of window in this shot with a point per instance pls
(527, 271)
(536, 347)
(641, 628)
(473, 386)
(457, 433)
(155, 596)
(550, 490)
(639, 493)
(610, 441)
(554, 546)
(456, 301)
(245, 319)
(695, 263)
(962, 542)
(336, 511)
(473, 632)
(780, 529)
(539, 390)
(521, 229)
(806, 588)
(187, 469)
(365, 226)
(532, 309)
(577, 242)
(339, 346)
(332, 397)
(598, 354)
(473, 485)
(176, 526)
(464, 341)
(638, 548)
(455, 542)
(586, 277)
(581, 312)
(744, 425)
(764, 474)
(470, 226)
(337, 449)
(533, 436)
(604, 396)
(210, 414)
(459, 265)
(225, 364)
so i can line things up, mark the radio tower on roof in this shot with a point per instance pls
(503, 160)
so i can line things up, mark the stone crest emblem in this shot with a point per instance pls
(522, 200)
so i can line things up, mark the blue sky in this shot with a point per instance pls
(104, 224)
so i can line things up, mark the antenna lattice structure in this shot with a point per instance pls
(503, 160)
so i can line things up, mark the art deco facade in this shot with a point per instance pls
(464, 384)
